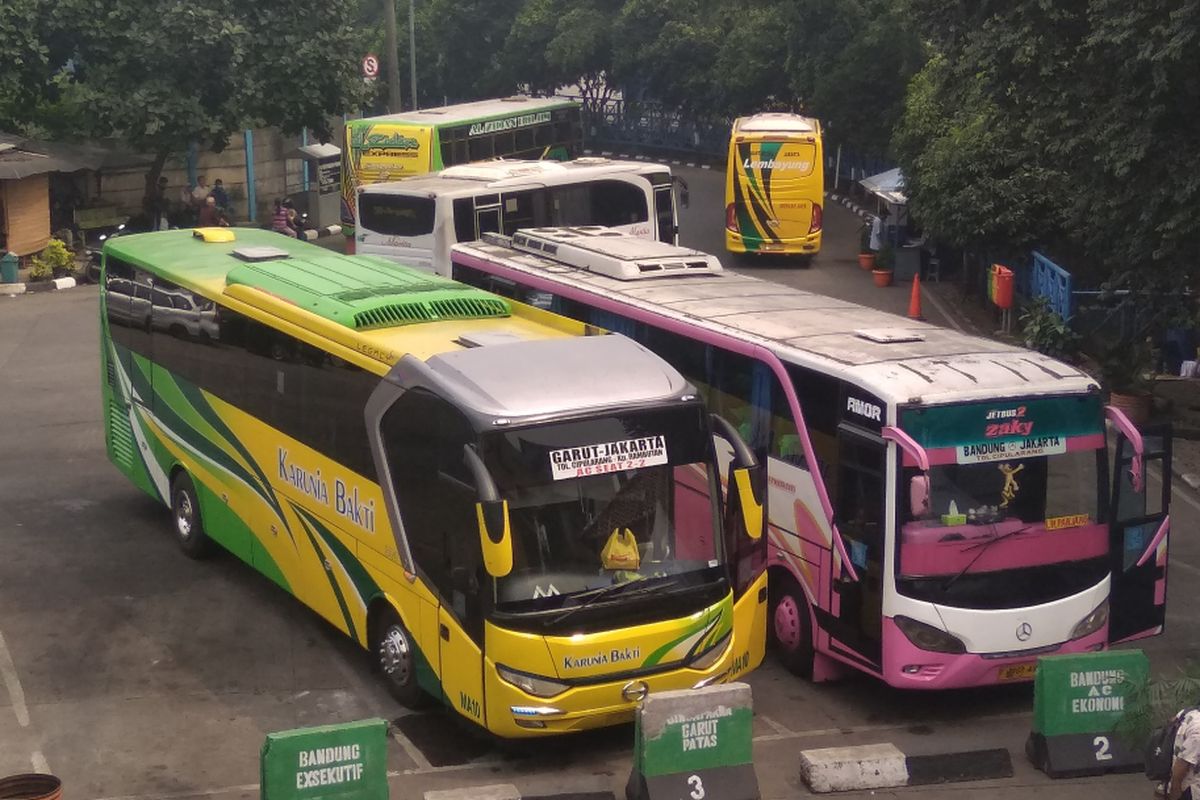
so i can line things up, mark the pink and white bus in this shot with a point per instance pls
(943, 508)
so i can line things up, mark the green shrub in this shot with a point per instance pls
(885, 258)
(55, 260)
(1045, 331)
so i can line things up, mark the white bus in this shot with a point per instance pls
(941, 509)
(416, 220)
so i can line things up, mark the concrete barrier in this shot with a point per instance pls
(694, 743)
(12, 289)
(844, 769)
(883, 766)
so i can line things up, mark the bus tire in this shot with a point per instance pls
(185, 518)
(396, 657)
(791, 626)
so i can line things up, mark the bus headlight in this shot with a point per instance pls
(1092, 622)
(928, 637)
(713, 654)
(531, 684)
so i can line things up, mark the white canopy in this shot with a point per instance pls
(887, 185)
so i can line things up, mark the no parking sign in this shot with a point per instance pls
(370, 66)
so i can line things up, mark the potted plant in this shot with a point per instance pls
(866, 256)
(1124, 370)
(882, 272)
(55, 261)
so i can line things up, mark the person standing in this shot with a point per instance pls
(222, 196)
(200, 193)
(1184, 783)
(155, 204)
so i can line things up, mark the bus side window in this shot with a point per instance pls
(464, 220)
(481, 148)
(524, 209)
(617, 203)
(424, 436)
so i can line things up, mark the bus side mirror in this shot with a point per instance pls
(491, 515)
(684, 195)
(750, 499)
(918, 496)
(746, 475)
(495, 539)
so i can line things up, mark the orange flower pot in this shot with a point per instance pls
(883, 277)
(866, 260)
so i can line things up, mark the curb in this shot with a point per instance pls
(885, 766)
(313, 234)
(854, 207)
(33, 287)
(12, 289)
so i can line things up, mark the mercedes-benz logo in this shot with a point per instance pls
(635, 691)
(1024, 631)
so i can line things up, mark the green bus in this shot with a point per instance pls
(416, 142)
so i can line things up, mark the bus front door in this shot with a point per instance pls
(854, 619)
(1139, 528)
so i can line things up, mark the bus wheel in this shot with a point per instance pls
(791, 628)
(398, 660)
(185, 518)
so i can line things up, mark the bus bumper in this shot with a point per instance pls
(908, 667)
(514, 714)
(808, 245)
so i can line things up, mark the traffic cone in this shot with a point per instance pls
(914, 302)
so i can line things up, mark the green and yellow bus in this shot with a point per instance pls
(411, 143)
(774, 186)
(525, 522)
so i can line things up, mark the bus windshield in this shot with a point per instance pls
(618, 504)
(1009, 523)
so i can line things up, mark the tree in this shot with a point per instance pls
(666, 51)
(26, 73)
(162, 74)
(968, 175)
(462, 44)
(556, 43)
(1093, 105)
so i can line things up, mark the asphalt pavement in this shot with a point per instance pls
(132, 672)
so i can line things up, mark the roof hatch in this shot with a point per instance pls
(609, 252)
(890, 335)
(260, 253)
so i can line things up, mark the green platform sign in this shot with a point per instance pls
(694, 743)
(347, 762)
(1077, 702)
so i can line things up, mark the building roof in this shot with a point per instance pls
(22, 157)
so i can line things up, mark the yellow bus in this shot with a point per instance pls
(522, 521)
(774, 186)
(410, 143)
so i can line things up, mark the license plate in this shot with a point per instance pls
(771, 248)
(1017, 672)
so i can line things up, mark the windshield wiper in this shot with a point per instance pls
(595, 595)
(983, 548)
